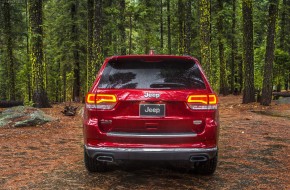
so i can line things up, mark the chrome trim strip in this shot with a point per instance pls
(151, 135)
(112, 149)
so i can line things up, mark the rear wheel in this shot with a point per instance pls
(92, 165)
(207, 167)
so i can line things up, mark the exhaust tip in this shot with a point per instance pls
(105, 158)
(198, 158)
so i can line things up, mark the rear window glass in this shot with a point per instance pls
(166, 74)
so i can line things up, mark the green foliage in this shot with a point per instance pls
(142, 29)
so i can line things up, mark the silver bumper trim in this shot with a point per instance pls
(151, 135)
(150, 153)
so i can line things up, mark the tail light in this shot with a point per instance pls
(101, 101)
(202, 102)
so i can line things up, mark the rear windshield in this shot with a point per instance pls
(137, 74)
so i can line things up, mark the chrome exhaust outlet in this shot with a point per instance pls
(198, 158)
(105, 159)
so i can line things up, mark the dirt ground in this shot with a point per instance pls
(253, 154)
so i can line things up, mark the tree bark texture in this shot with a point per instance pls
(168, 27)
(98, 35)
(90, 29)
(223, 71)
(76, 56)
(161, 26)
(248, 58)
(269, 57)
(205, 14)
(234, 48)
(122, 27)
(39, 98)
(187, 28)
(9, 50)
(181, 18)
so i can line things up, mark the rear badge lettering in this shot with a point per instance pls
(152, 110)
(151, 95)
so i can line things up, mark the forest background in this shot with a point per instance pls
(51, 50)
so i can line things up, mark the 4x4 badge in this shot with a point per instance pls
(151, 95)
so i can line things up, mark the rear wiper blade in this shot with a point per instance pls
(167, 85)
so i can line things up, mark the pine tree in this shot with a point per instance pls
(269, 56)
(90, 28)
(249, 90)
(9, 49)
(233, 48)
(98, 35)
(205, 30)
(168, 27)
(122, 27)
(76, 55)
(40, 98)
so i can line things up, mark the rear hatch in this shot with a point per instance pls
(150, 98)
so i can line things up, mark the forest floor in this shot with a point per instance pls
(254, 150)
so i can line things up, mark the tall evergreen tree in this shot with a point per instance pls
(187, 28)
(233, 47)
(161, 26)
(98, 34)
(90, 29)
(181, 19)
(40, 98)
(269, 56)
(9, 49)
(168, 27)
(122, 27)
(76, 55)
(205, 29)
(249, 90)
(223, 71)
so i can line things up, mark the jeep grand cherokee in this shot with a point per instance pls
(151, 107)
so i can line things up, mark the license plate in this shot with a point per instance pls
(152, 110)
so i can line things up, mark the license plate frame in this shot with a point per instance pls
(152, 110)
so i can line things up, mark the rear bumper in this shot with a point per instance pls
(169, 154)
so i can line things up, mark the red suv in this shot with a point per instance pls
(151, 107)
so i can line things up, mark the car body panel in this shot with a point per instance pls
(123, 127)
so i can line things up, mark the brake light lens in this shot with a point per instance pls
(101, 101)
(202, 102)
(203, 99)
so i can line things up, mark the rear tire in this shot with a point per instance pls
(207, 167)
(92, 165)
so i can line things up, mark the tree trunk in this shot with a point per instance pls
(187, 28)
(76, 56)
(90, 29)
(130, 34)
(98, 35)
(204, 19)
(283, 24)
(234, 48)
(148, 5)
(122, 27)
(249, 90)
(181, 19)
(40, 98)
(240, 73)
(161, 26)
(223, 71)
(9, 50)
(168, 27)
(269, 57)
(64, 69)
